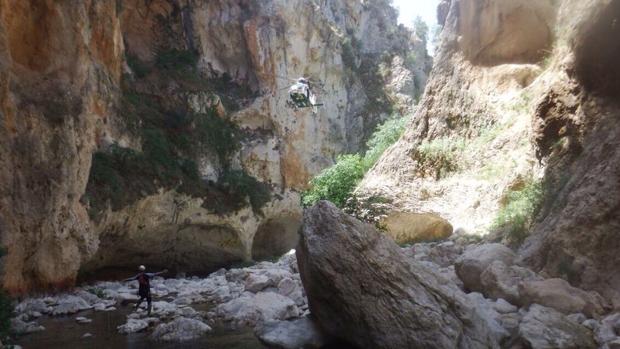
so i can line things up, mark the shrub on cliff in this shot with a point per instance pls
(338, 182)
(521, 207)
(439, 156)
(384, 136)
(241, 184)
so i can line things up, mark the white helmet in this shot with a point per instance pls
(142, 268)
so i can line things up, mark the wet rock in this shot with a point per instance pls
(103, 306)
(88, 297)
(180, 329)
(132, 326)
(249, 309)
(70, 304)
(560, 295)
(37, 305)
(125, 297)
(300, 333)
(23, 327)
(474, 261)
(188, 298)
(544, 327)
(362, 289)
(83, 320)
(163, 308)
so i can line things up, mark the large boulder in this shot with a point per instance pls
(250, 309)
(132, 326)
(545, 328)
(299, 333)
(408, 227)
(560, 295)
(501, 281)
(70, 304)
(180, 329)
(363, 290)
(474, 261)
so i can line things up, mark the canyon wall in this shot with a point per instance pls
(522, 100)
(157, 132)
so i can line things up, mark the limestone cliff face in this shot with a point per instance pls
(180, 108)
(521, 92)
(60, 65)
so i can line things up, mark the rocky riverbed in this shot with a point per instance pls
(469, 294)
(226, 306)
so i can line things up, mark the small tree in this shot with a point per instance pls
(420, 28)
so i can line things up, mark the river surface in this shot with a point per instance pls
(64, 332)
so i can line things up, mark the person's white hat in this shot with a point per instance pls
(142, 268)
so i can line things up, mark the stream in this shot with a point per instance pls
(221, 310)
(65, 332)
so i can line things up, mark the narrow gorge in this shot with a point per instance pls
(464, 200)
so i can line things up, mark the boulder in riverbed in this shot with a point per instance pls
(501, 281)
(362, 289)
(299, 333)
(132, 326)
(180, 329)
(409, 227)
(475, 260)
(544, 328)
(560, 295)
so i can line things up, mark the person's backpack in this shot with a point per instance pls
(143, 280)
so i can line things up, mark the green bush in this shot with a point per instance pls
(336, 183)
(217, 134)
(137, 67)
(521, 207)
(176, 59)
(439, 156)
(384, 136)
(240, 184)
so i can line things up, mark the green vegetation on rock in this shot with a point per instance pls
(174, 59)
(439, 157)
(520, 207)
(384, 136)
(173, 138)
(338, 182)
(241, 184)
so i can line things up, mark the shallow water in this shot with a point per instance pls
(65, 332)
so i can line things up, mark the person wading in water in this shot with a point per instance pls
(144, 285)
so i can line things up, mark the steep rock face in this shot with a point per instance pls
(468, 139)
(505, 106)
(59, 69)
(246, 52)
(362, 289)
(182, 105)
(577, 136)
